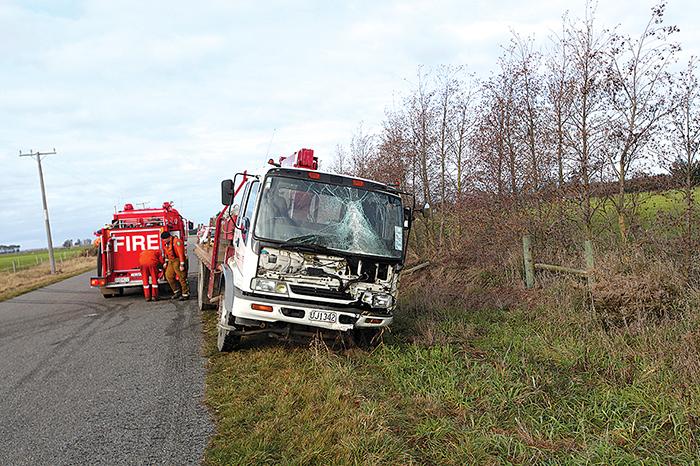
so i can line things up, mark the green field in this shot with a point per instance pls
(651, 205)
(462, 387)
(23, 260)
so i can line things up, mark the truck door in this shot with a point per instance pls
(245, 260)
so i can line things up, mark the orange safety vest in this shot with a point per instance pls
(150, 257)
(174, 249)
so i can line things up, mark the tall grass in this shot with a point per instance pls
(466, 385)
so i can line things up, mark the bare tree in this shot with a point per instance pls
(341, 163)
(529, 109)
(637, 90)
(588, 118)
(463, 124)
(559, 91)
(421, 119)
(682, 149)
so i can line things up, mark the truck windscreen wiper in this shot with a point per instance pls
(295, 244)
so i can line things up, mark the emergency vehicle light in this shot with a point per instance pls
(303, 158)
(358, 183)
(314, 175)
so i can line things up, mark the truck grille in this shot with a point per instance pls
(319, 292)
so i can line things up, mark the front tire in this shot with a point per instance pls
(226, 341)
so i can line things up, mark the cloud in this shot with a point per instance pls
(154, 101)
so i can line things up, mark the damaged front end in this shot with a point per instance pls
(363, 286)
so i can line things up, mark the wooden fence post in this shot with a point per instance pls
(529, 263)
(14, 269)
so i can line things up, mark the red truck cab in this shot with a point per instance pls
(121, 242)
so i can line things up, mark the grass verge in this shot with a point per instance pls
(461, 387)
(15, 284)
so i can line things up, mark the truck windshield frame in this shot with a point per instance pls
(343, 218)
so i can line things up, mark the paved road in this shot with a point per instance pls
(87, 380)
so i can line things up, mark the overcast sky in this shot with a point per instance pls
(147, 101)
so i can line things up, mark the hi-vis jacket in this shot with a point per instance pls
(150, 257)
(174, 249)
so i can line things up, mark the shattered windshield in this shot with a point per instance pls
(343, 218)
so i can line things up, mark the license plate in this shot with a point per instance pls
(323, 316)
(121, 280)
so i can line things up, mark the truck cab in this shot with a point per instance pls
(310, 251)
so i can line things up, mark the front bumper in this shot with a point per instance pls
(298, 313)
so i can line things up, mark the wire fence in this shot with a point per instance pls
(17, 263)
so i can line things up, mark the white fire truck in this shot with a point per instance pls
(303, 251)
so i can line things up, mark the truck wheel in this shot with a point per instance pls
(226, 341)
(202, 284)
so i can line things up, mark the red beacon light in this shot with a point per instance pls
(303, 158)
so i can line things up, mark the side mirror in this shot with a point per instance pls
(227, 190)
(425, 210)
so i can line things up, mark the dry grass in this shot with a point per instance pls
(15, 284)
(631, 290)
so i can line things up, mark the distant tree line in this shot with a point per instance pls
(8, 249)
(69, 243)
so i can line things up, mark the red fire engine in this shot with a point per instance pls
(121, 242)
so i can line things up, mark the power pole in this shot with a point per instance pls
(37, 156)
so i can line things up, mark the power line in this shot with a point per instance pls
(270, 144)
(37, 155)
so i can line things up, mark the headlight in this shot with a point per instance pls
(378, 300)
(268, 286)
(382, 300)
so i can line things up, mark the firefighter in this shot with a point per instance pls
(175, 266)
(149, 261)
